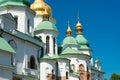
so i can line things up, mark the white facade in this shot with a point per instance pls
(33, 59)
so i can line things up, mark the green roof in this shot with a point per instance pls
(45, 25)
(69, 40)
(84, 47)
(53, 57)
(81, 40)
(70, 51)
(5, 46)
(14, 2)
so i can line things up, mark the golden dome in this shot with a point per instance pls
(41, 8)
(69, 31)
(79, 27)
(78, 24)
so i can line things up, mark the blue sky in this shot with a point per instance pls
(101, 24)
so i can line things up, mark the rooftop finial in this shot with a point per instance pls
(79, 26)
(69, 31)
(78, 17)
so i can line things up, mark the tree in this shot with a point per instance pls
(115, 76)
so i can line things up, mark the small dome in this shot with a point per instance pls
(69, 31)
(45, 25)
(79, 24)
(69, 40)
(81, 40)
(41, 8)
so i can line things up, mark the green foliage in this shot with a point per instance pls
(115, 76)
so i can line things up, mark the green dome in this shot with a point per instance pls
(69, 40)
(14, 2)
(45, 25)
(69, 51)
(5, 46)
(81, 40)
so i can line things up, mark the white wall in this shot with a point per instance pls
(5, 75)
(46, 68)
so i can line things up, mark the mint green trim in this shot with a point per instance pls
(69, 40)
(45, 25)
(46, 57)
(70, 51)
(14, 2)
(55, 57)
(5, 46)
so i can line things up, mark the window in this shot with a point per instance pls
(66, 75)
(12, 59)
(81, 68)
(32, 64)
(47, 44)
(53, 76)
(54, 45)
(73, 67)
(28, 25)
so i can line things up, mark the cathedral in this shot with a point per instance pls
(29, 49)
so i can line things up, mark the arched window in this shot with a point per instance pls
(54, 45)
(66, 75)
(28, 25)
(47, 44)
(53, 76)
(32, 62)
(73, 67)
(81, 68)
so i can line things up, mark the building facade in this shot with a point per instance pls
(29, 49)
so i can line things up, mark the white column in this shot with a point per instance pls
(51, 45)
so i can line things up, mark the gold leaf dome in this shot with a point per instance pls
(79, 27)
(69, 31)
(78, 24)
(41, 8)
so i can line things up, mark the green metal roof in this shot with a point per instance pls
(68, 51)
(53, 57)
(5, 46)
(46, 57)
(84, 47)
(69, 40)
(45, 25)
(81, 40)
(14, 2)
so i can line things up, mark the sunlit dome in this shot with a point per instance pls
(41, 8)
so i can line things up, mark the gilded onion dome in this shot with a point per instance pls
(69, 31)
(41, 8)
(79, 27)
